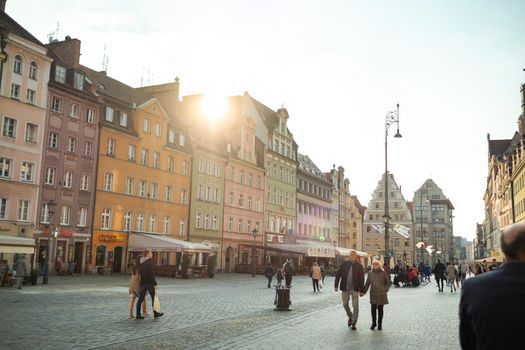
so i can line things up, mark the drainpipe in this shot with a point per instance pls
(3, 55)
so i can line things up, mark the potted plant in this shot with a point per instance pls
(211, 266)
(34, 276)
(185, 265)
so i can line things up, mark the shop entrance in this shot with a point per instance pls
(117, 260)
(79, 256)
(229, 260)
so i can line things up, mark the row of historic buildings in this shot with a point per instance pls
(504, 195)
(89, 164)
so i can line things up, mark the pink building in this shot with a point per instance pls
(243, 193)
(69, 159)
(24, 74)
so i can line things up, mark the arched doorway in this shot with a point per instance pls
(229, 260)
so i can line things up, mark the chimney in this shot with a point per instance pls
(2, 5)
(68, 50)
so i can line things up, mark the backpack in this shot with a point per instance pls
(289, 268)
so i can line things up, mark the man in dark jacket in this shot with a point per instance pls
(491, 308)
(147, 283)
(439, 273)
(350, 278)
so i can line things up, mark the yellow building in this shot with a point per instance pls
(356, 224)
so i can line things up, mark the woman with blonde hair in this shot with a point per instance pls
(378, 282)
(316, 276)
(134, 289)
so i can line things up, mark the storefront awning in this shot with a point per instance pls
(346, 251)
(160, 243)
(320, 251)
(16, 245)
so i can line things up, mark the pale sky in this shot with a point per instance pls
(337, 66)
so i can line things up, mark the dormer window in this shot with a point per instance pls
(123, 119)
(109, 114)
(60, 74)
(171, 137)
(79, 81)
(17, 67)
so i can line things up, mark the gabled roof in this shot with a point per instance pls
(410, 206)
(358, 205)
(306, 165)
(268, 115)
(13, 27)
(498, 147)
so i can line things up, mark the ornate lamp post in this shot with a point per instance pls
(423, 191)
(254, 233)
(391, 118)
(50, 212)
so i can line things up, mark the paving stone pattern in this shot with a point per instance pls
(231, 311)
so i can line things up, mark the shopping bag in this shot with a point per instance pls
(321, 285)
(156, 303)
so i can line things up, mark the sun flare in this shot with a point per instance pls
(213, 107)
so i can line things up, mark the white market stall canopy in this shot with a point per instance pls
(320, 251)
(346, 251)
(16, 245)
(160, 243)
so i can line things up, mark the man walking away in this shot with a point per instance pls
(147, 284)
(439, 273)
(269, 272)
(496, 296)
(21, 270)
(350, 278)
(289, 270)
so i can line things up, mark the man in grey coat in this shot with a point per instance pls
(350, 279)
(21, 270)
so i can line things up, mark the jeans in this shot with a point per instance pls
(143, 289)
(315, 284)
(355, 305)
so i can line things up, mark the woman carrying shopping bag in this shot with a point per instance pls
(134, 289)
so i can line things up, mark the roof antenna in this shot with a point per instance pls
(142, 77)
(105, 60)
(53, 36)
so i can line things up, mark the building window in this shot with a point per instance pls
(147, 125)
(60, 74)
(109, 114)
(230, 224)
(182, 140)
(45, 214)
(79, 81)
(56, 104)
(217, 198)
(184, 168)
(126, 226)
(82, 216)
(3, 208)
(171, 136)
(84, 182)
(215, 222)
(231, 199)
(144, 157)
(140, 222)
(65, 215)
(167, 225)
(52, 142)
(259, 183)
(183, 196)
(71, 144)
(131, 153)
(142, 188)
(156, 160)
(23, 210)
(129, 185)
(17, 67)
(201, 165)
(74, 110)
(198, 220)
(170, 163)
(241, 200)
(106, 219)
(158, 130)
(31, 96)
(26, 172)
(241, 177)
(123, 119)
(108, 182)
(210, 168)
(88, 148)
(154, 191)
(182, 225)
(9, 128)
(258, 205)
(90, 116)
(33, 71)
(153, 223)
(31, 132)
(169, 192)
(49, 179)
(207, 221)
(217, 170)
(110, 151)
(200, 192)
(239, 228)
(68, 179)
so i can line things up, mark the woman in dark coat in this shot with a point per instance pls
(269, 272)
(378, 282)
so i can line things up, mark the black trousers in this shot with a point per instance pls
(288, 279)
(439, 279)
(315, 284)
(269, 280)
(143, 289)
(379, 309)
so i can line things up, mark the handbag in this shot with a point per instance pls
(156, 303)
(321, 285)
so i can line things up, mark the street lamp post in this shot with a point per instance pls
(391, 118)
(254, 233)
(50, 212)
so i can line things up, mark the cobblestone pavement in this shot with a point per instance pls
(231, 311)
